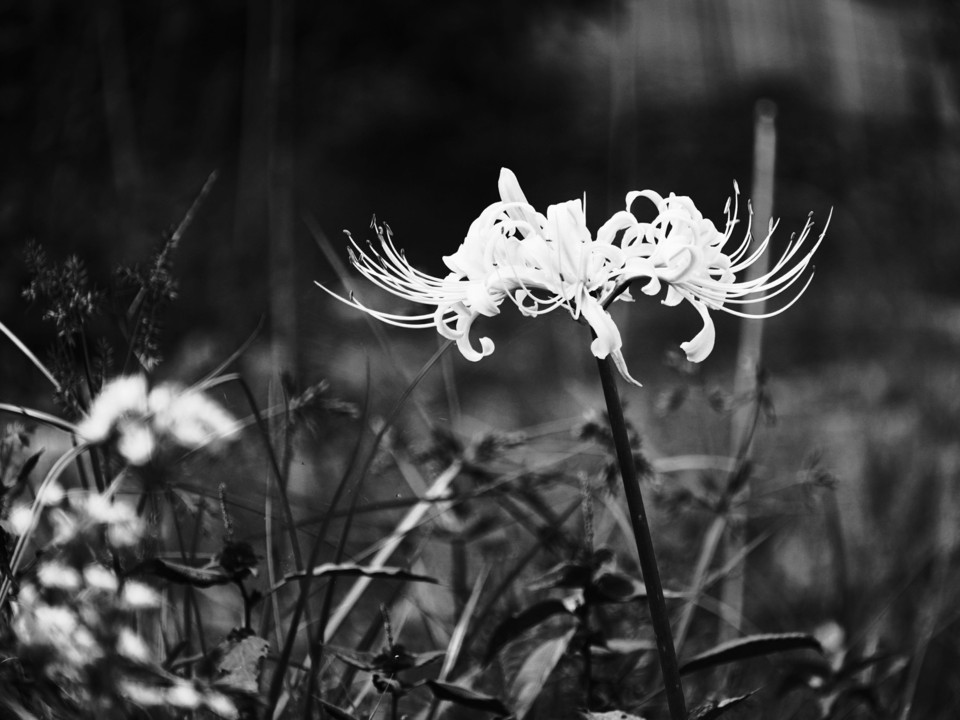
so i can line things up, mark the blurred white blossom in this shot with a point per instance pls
(54, 574)
(142, 422)
(139, 596)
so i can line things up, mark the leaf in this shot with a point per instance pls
(627, 646)
(241, 661)
(610, 715)
(29, 464)
(714, 708)
(467, 698)
(615, 587)
(335, 712)
(515, 625)
(748, 647)
(354, 570)
(535, 672)
(360, 661)
(565, 575)
(387, 662)
(200, 577)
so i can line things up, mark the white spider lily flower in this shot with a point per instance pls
(686, 252)
(540, 263)
(544, 262)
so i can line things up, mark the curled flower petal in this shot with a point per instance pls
(702, 344)
(607, 338)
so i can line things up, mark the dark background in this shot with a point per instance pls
(114, 114)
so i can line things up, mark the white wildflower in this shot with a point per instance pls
(221, 705)
(190, 418)
(97, 577)
(121, 397)
(142, 422)
(544, 262)
(135, 442)
(142, 694)
(21, 519)
(139, 596)
(183, 695)
(132, 646)
(51, 494)
(57, 575)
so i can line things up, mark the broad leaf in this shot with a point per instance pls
(610, 715)
(748, 647)
(515, 625)
(467, 698)
(240, 662)
(354, 570)
(200, 577)
(565, 575)
(615, 587)
(535, 672)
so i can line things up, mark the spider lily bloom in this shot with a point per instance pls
(539, 262)
(685, 251)
(544, 262)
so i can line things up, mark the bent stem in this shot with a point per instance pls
(641, 533)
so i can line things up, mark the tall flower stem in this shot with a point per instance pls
(641, 533)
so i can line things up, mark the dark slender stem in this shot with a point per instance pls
(584, 615)
(641, 532)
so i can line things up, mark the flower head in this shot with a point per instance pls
(544, 262)
(142, 422)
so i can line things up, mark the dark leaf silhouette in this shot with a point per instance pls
(200, 577)
(389, 661)
(335, 712)
(517, 624)
(748, 647)
(467, 698)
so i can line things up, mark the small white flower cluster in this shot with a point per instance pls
(178, 694)
(143, 422)
(74, 614)
(80, 516)
(73, 618)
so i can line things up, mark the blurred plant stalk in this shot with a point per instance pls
(641, 533)
(745, 386)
